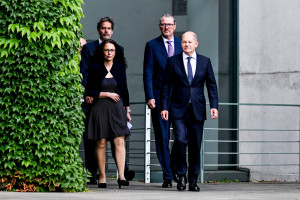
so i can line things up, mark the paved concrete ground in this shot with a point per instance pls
(138, 190)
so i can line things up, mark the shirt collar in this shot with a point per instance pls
(165, 40)
(100, 41)
(185, 55)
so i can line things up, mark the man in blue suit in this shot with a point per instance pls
(105, 28)
(157, 51)
(182, 98)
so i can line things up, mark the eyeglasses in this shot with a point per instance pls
(109, 50)
(166, 25)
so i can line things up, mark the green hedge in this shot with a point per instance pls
(41, 120)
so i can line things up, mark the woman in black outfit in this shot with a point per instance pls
(107, 85)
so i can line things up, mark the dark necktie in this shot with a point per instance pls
(170, 49)
(190, 71)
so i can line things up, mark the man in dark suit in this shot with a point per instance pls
(185, 76)
(105, 29)
(157, 51)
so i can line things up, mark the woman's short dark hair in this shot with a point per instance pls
(119, 54)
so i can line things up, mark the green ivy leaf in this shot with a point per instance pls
(35, 36)
(13, 43)
(25, 30)
(4, 52)
(13, 27)
(39, 25)
(47, 48)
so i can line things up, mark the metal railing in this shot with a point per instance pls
(148, 141)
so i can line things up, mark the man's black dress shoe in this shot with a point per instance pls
(194, 187)
(167, 184)
(129, 175)
(175, 177)
(181, 185)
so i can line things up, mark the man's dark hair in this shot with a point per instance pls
(105, 19)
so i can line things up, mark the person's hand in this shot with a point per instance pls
(114, 96)
(164, 115)
(151, 103)
(89, 100)
(213, 113)
(128, 116)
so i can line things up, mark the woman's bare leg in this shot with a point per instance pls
(101, 157)
(120, 155)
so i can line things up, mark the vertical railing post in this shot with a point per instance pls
(202, 158)
(147, 144)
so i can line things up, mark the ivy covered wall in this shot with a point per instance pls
(40, 89)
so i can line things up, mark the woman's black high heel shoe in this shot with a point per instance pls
(122, 182)
(101, 185)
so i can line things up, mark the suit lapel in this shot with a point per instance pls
(179, 61)
(162, 47)
(198, 68)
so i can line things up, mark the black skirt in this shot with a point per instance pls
(108, 119)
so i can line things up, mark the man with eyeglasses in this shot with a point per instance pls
(105, 28)
(157, 51)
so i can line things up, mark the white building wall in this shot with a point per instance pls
(269, 72)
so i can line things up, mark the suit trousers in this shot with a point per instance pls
(162, 137)
(90, 157)
(188, 131)
(89, 145)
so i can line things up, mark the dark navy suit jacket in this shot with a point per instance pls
(88, 51)
(175, 78)
(155, 60)
(97, 73)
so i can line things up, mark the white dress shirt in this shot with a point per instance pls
(193, 62)
(166, 44)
